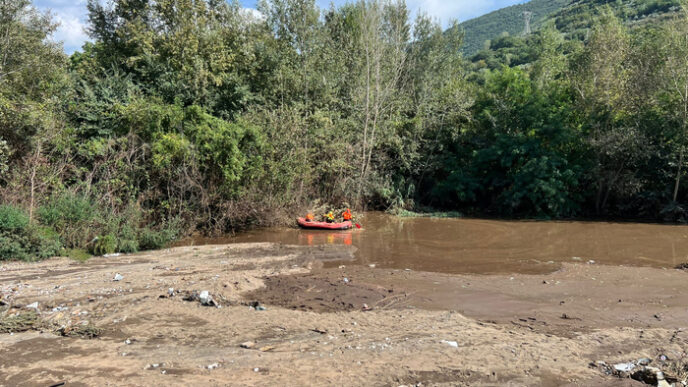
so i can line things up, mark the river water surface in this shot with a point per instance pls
(487, 246)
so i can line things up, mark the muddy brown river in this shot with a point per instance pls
(487, 246)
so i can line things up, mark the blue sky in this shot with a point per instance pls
(72, 13)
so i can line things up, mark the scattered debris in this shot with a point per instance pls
(112, 255)
(366, 308)
(683, 266)
(118, 277)
(642, 372)
(212, 366)
(248, 344)
(450, 343)
(205, 298)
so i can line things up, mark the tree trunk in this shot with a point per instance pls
(365, 124)
(33, 180)
(678, 174)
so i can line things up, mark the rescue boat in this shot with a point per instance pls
(303, 223)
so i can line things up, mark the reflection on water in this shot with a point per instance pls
(489, 246)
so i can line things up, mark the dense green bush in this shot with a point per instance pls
(13, 219)
(105, 244)
(72, 216)
(152, 240)
(23, 241)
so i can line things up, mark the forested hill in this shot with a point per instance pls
(509, 19)
(577, 18)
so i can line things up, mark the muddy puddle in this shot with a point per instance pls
(480, 246)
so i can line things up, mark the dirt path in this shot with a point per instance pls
(424, 328)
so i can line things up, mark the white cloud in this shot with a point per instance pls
(252, 13)
(72, 17)
(72, 31)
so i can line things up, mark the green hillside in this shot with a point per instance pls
(509, 19)
(574, 21)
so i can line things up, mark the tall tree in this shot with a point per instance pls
(383, 38)
(676, 76)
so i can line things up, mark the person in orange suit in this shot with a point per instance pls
(347, 215)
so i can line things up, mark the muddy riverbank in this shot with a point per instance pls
(415, 326)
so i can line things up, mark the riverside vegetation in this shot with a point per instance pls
(197, 115)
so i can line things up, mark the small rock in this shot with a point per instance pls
(118, 277)
(591, 262)
(256, 369)
(366, 308)
(212, 366)
(372, 265)
(127, 341)
(112, 255)
(248, 344)
(170, 292)
(346, 280)
(450, 343)
(261, 308)
(624, 367)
